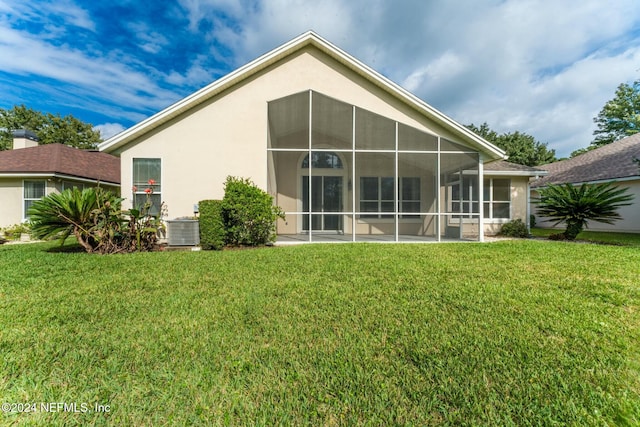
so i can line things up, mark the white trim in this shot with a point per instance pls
(528, 218)
(307, 39)
(514, 173)
(42, 175)
(481, 197)
(598, 181)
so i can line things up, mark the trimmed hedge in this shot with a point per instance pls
(212, 231)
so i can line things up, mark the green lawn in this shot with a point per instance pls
(624, 239)
(507, 333)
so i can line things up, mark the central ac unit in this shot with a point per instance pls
(183, 232)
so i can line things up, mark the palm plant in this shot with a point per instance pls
(575, 205)
(72, 211)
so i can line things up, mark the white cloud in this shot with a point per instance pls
(529, 65)
(110, 77)
(107, 130)
(545, 68)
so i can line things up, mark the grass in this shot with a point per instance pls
(505, 333)
(606, 237)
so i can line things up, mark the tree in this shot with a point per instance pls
(49, 128)
(575, 205)
(521, 148)
(620, 117)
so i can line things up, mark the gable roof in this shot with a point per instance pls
(502, 167)
(307, 39)
(612, 162)
(63, 160)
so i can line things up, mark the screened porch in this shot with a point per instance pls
(342, 173)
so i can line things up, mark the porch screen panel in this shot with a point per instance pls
(411, 139)
(460, 184)
(460, 197)
(376, 196)
(423, 168)
(289, 122)
(332, 123)
(446, 145)
(374, 132)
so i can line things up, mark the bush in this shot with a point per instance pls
(212, 232)
(532, 220)
(515, 228)
(249, 213)
(13, 232)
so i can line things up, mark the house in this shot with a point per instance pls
(611, 163)
(30, 171)
(345, 152)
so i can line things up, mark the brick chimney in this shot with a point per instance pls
(23, 138)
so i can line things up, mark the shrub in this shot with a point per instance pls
(515, 228)
(532, 220)
(13, 232)
(249, 213)
(212, 232)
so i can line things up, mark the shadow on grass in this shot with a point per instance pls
(66, 248)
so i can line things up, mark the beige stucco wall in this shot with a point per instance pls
(11, 200)
(227, 135)
(630, 214)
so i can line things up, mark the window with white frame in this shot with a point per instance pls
(32, 192)
(147, 184)
(69, 184)
(464, 196)
(497, 198)
(409, 196)
(377, 195)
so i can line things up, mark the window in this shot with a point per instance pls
(409, 192)
(68, 184)
(32, 191)
(377, 195)
(147, 184)
(497, 198)
(464, 198)
(322, 160)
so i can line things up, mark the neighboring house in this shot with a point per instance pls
(610, 163)
(348, 154)
(31, 171)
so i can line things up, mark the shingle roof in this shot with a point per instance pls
(61, 159)
(504, 167)
(611, 162)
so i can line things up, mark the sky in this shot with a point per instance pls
(543, 67)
